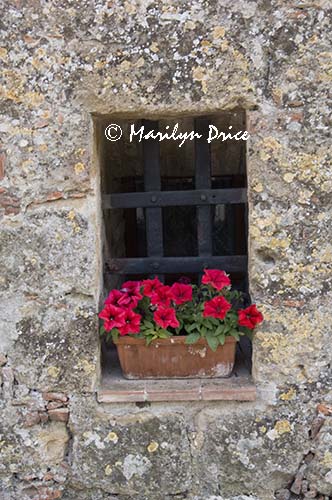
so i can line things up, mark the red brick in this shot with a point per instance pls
(325, 409)
(32, 418)
(9, 202)
(53, 405)
(2, 165)
(59, 415)
(43, 416)
(55, 396)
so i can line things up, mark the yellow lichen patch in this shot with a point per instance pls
(33, 99)
(268, 148)
(153, 446)
(71, 215)
(255, 232)
(242, 63)
(263, 429)
(327, 459)
(130, 7)
(287, 396)
(154, 47)
(53, 371)
(140, 62)
(80, 151)
(277, 95)
(99, 64)
(258, 187)
(87, 367)
(112, 437)
(3, 53)
(289, 177)
(108, 470)
(79, 168)
(218, 32)
(200, 76)
(279, 243)
(282, 427)
(125, 65)
(224, 46)
(190, 25)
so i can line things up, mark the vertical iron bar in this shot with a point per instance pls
(203, 181)
(152, 182)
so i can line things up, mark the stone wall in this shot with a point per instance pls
(65, 62)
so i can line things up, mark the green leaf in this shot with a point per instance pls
(163, 334)
(212, 341)
(115, 334)
(190, 328)
(192, 338)
(219, 330)
(149, 332)
(235, 334)
(221, 339)
(149, 339)
(203, 331)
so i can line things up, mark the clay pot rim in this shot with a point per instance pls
(178, 339)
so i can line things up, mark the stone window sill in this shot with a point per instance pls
(116, 389)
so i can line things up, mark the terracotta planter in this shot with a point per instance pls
(172, 358)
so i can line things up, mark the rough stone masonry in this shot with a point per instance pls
(65, 63)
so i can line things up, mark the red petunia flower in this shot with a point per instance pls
(218, 279)
(113, 317)
(114, 297)
(132, 322)
(249, 317)
(131, 294)
(165, 316)
(181, 293)
(162, 296)
(216, 308)
(150, 286)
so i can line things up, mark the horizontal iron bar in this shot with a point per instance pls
(174, 265)
(175, 198)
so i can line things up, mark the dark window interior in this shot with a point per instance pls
(141, 235)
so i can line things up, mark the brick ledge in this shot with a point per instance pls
(120, 390)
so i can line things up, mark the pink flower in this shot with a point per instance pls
(113, 317)
(130, 294)
(181, 293)
(132, 322)
(161, 296)
(114, 297)
(216, 308)
(150, 286)
(218, 279)
(165, 316)
(249, 317)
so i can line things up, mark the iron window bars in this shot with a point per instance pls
(153, 199)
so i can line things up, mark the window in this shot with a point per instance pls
(171, 211)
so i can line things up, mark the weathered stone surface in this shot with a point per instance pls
(120, 454)
(67, 68)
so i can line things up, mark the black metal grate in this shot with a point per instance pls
(153, 199)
